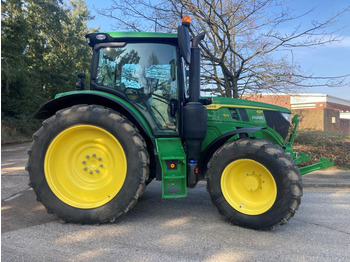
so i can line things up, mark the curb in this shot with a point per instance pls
(333, 185)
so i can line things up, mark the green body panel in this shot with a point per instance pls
(173, 163)
(117, 99)
(141, 35)
(220, 121)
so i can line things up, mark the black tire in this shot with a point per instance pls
(149, 180)
(281, 170)
(111, 122)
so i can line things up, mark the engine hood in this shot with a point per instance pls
(219, 102)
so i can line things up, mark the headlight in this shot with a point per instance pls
(286, 116)
(100, 37)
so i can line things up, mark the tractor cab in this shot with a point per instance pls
(143, 69)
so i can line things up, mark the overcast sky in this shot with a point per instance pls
(329, 60)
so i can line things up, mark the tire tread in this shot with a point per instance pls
(143, 156)
(293, 177)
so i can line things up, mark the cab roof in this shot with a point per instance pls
(141, 34)
(97, 38)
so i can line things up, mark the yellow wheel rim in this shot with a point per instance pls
(248, 187)
(85, 166)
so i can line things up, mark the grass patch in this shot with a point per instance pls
(324, 144)
(19, 129)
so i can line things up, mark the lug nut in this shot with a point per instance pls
(93, 155)
(85, 168)
(84, 162)
(87, 156)
(101, 165)
(90, 172)
(97, 170)
(99, 158)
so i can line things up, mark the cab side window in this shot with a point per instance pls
(146, 74)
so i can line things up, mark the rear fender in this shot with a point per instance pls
(116, 103)
(69, 99)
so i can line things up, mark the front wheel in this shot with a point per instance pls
(254, 184)
(88, 164)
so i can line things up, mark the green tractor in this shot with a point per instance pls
(143, 119)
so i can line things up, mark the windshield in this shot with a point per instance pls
(146, 74)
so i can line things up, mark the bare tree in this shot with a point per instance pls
(245, 49)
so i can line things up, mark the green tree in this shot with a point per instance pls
(14, 38)
(69, 53)
(43, 47)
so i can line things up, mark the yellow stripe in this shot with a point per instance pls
(218, 106)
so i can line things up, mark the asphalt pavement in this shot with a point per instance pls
(327, 178)
(185, 229)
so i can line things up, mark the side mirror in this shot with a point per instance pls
(80, 84)
(184, 41)
(81, 75)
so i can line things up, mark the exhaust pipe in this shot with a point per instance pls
(195, 115)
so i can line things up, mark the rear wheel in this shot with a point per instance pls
(88, 164)
(254, 183)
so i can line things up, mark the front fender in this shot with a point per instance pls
(218, 142)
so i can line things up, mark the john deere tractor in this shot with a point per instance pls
(142, 119)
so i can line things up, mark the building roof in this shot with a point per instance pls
(300, 98)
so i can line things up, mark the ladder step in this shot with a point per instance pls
(173, 162)
(174, 187)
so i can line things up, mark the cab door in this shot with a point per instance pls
(146, 74)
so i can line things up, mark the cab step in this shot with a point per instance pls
(173, 163)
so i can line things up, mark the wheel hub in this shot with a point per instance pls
(85, 166)
(92, 163)
(251, 183)
(248, 186)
